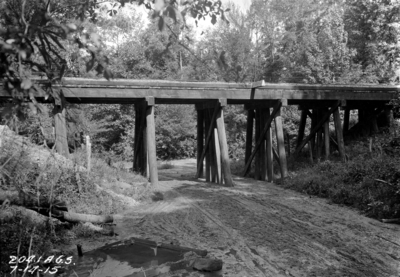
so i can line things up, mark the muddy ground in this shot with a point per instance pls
(261, 229)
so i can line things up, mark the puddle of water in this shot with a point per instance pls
(134, 259)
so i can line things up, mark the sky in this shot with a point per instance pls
(243, 4)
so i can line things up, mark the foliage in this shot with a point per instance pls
(369, 182)
(175, 131)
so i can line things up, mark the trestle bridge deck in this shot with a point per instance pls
(263, 101)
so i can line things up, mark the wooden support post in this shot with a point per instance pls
(346, 120)
(302, 127)
(226, 169)
(281, 144)
(151, 141)
(277, 106)
(211, 149)
(217, 157)
(209, 135)
(200, 139)
(140, 149)
(61, 132)
(319, 125)
(249, 134)
(208, 152)
(270, 160)
(257, 161)
(326, 138)
(320, 145)
(262, 151)
(314, 121)
(339, 134)
(311, 152)
(136, 139)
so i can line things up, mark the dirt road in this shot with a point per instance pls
(260, 229)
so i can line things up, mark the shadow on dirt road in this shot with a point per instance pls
(261, 229)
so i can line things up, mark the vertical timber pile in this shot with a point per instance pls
(249, 133)
(151, 141)
(268, 153)
(215, 145)
(140, 164)
(324, 121)
(200, 139)
(264, 138)
(145, 157)
(281, 143)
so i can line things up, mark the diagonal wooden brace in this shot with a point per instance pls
(208, 138)
(317, 127)
(277, 107)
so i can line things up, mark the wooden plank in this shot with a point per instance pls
(302, 127)
(258, 84)
(319, 125)
(281, 144)
(151, 145)
(249, 133)
(209, 134)
(172, 95)
(268, 136)
(217, 157)
(200, 140)
(161, 83)
(225, 164)
(61, 132)
(339, 134)
(262, 135)
(326, 138)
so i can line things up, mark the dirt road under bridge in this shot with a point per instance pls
(261, 229)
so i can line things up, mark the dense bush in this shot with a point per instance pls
(369, 182)
(175, 131)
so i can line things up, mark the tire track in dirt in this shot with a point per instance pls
(260, 229)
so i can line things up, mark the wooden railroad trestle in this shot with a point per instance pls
(265, 139)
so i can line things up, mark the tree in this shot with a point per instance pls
(33, 34)
(374, 32)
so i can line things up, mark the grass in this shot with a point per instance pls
(166, 165)
(54, 180)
